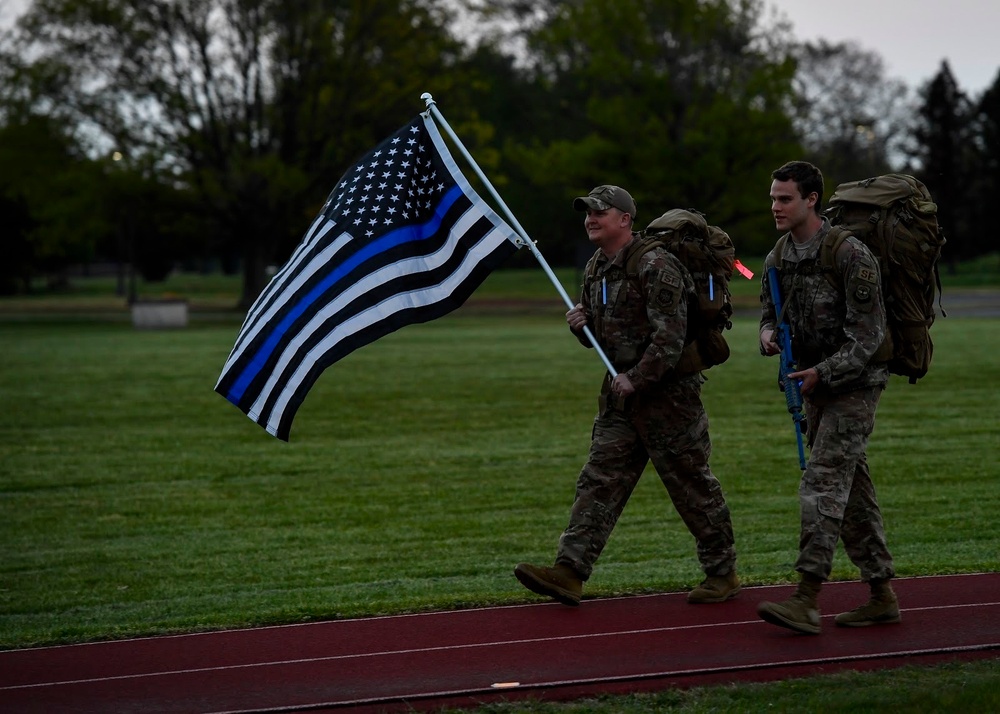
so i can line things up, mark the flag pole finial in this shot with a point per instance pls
(428, 99)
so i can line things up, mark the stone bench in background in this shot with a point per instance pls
(159, 314)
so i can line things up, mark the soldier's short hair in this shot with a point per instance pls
(807, 177)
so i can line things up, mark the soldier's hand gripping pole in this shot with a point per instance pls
(793, 396)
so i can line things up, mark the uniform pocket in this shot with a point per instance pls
(830, 507)
(860, 426)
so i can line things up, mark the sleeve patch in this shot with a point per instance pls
(671, 280)
(868, 275)
(665, 299)
(863, 295)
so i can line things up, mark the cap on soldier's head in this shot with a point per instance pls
(604, 197)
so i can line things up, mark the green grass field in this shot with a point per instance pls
(135, 501)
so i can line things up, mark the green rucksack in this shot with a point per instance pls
(895, 216)
(709, 256)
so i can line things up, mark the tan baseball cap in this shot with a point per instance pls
(604, 197)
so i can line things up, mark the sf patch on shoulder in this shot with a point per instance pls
(864, 284)
(868, 275)
(668, 292)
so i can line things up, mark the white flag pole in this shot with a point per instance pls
(436, 113)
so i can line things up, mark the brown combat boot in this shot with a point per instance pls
(559, 582)
(715, 588)
(881, 609)
(799, 612)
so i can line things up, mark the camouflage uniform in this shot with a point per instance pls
(837, 330)
(642, 331)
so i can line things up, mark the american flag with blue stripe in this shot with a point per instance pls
(402, 239)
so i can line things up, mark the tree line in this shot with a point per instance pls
(208, 133)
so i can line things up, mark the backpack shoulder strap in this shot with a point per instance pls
(828, 252)
(590, 271)
(779, 249)
(642, 245)
(639, 248)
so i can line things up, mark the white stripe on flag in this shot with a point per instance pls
(313, 264)
(371, 315)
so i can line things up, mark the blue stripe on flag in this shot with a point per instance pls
(406, 234)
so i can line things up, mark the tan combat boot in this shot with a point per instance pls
(559, 582)
(799, 612)
(715, 588)
(881, 609)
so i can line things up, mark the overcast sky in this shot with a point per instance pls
(913, 36)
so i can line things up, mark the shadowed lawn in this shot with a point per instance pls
(420, 469)
(134, 500)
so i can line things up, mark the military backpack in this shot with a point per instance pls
(895, 216)
(708, 254)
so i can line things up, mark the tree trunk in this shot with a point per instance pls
(254, 278)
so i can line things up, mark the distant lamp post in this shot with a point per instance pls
(866, 134)
(126, 237)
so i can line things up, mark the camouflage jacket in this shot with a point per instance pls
(642, 325)
(837, 322)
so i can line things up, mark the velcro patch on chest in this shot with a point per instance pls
(614, 274)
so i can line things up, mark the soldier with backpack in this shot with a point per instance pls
(837, 316)
(639, 299)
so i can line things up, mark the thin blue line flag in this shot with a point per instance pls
(402, 239)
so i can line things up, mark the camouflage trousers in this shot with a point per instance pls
(836, 495)
(668, 426)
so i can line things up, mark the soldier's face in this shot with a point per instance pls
(789, 208)
(604, 226)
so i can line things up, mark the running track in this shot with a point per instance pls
(461, 658)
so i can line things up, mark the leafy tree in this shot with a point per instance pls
(157, 224)
(48, 191)
(18, 258)
(943, 154)
(850, 116)
(985, 176)
(681, 101)
(255, 107)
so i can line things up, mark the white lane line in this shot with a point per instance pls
(445, 613)
(445, 648)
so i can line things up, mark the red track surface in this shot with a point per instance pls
(459, 658)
